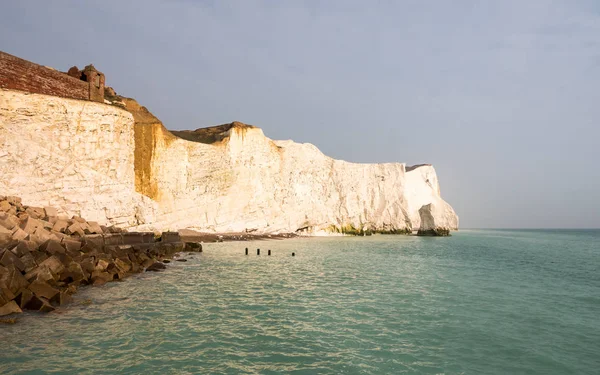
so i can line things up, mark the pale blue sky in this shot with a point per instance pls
(502, 97)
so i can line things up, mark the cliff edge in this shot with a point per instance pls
(121, 166)
(70, 141)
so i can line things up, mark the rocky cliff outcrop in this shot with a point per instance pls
(437, 219)
(124, 168)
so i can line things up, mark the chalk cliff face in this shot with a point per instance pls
(76, 155)
(97, 161)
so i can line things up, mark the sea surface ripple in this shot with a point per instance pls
(479, 302)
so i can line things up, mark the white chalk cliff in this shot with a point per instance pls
(93, 160)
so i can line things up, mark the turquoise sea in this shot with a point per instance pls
(479, 302)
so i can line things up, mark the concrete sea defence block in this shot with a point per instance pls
(50, 212)
(10, 308)
(8, 221)
(46, 262)
(5, 236)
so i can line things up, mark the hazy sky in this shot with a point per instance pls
(503, 97)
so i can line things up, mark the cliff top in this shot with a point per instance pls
(413, 167)
(210, 134)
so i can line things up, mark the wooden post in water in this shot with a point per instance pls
(269, 252)
(246, 251)
(257, 251)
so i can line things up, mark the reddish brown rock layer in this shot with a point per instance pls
(23, 75)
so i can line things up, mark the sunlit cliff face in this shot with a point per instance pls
(123, 167)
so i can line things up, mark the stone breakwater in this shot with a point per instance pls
(45, 257)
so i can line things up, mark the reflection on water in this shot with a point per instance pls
(478, 302)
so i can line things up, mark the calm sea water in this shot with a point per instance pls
(480, 302)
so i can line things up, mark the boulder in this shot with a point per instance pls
(155, 267)
(5, 237)
(42, 289)
(39, 256)
(19, 234)
(180, 246)
(437, 219)
(50, 212)
(87, 265)
(8, 221)
(95, 240)
(41, 235)
(193, 246)
(5, 206)
(24, 298)
(73, 274)
(36, 212)
(27, 247)
(29, 262)
(101, 265)
(141, 257)
(78, 219)
(15, 250)
(46, 306)
(75, 229)
(71, 289)
(135, 267)
(123, 252)
(15, 281)
(65, 259)
(101, 278)
(113, 229)
(14, 201)
(64, 298)
(90, 249)
(52, 264)
(44, 275)
(59, 236)
(38, 304)
(10, 308)
(60, 226)
(86, 228)
(5, 294)
(123, 266)
(3, 270)
(47, 225)
(95, 228)
(9, 258)
(53, 247)
(147, 263)
(29, 224)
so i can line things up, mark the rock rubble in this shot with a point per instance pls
(45, 257)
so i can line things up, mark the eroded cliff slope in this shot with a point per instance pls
(97, 161)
